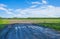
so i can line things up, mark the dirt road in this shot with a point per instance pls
(23, 21)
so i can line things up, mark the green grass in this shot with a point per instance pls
(3, 22)
(2, 26)
(55, 26)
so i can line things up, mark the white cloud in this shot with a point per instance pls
(48, 11)
(3, 7)
(36, 3)
(41, 11)
(33, 6)
(44, 1)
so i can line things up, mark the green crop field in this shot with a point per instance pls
(46, 22)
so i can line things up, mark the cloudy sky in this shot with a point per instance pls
(29, 8)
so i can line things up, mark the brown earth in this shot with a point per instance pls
(23, 21)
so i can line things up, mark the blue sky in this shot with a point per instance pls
(29, 8)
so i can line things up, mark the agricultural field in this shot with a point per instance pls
(46, 22)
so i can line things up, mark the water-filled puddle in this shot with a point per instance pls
(28, 31)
